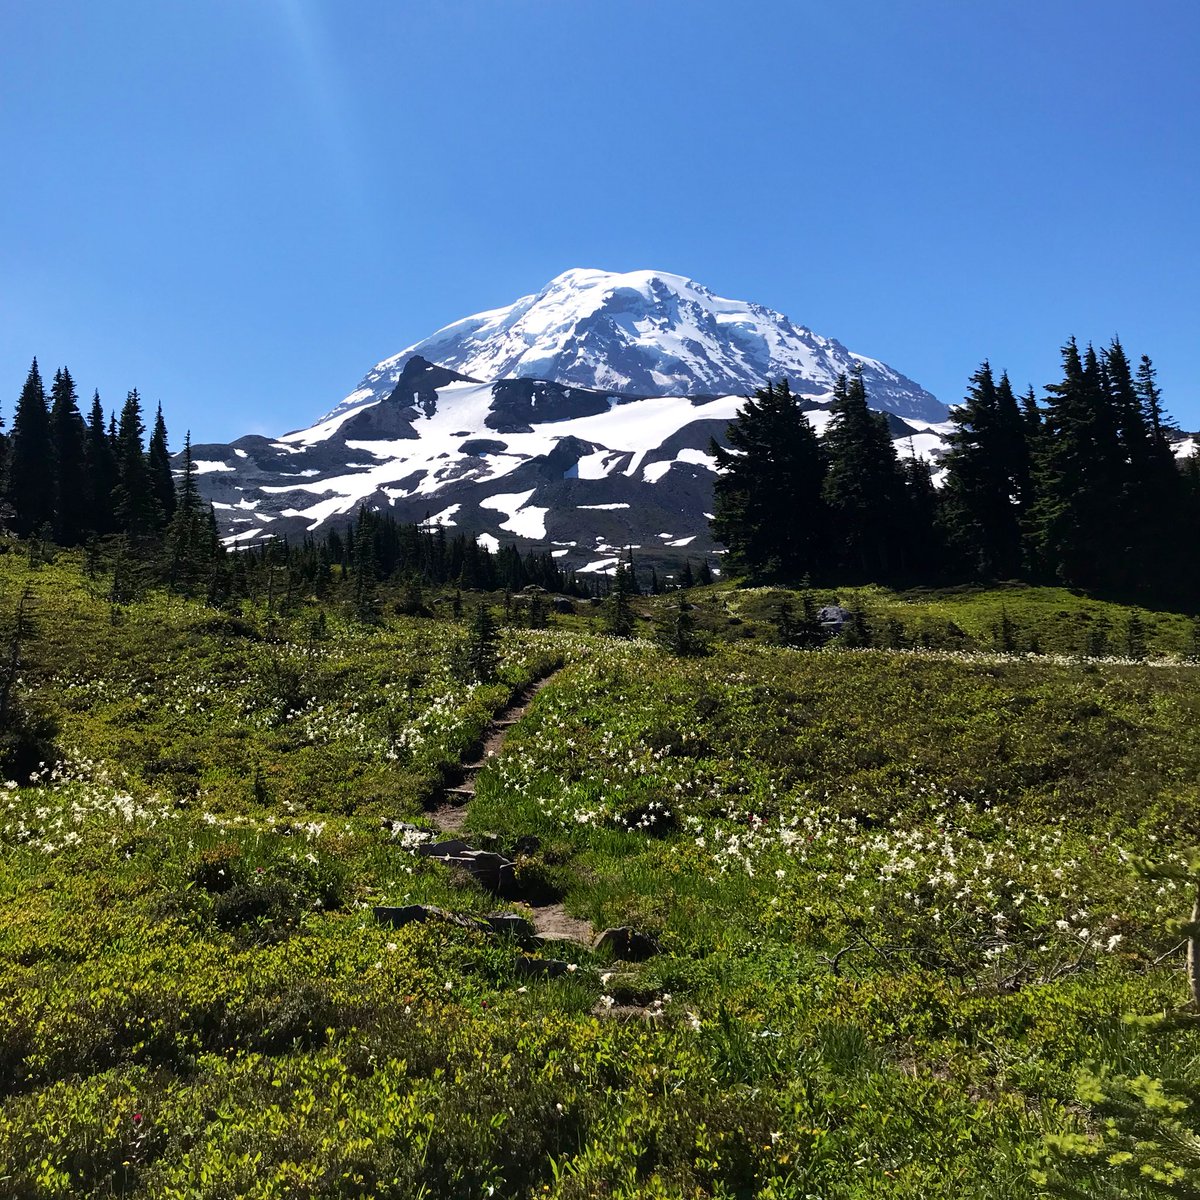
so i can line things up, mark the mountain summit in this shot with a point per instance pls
(646, 333)
(579, 420)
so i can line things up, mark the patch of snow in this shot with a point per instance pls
(597, 465)
(601, 507)
(524, 522)
(241, 454)
(599, 567)
(444, 518)
(489, 542)
(682, 541)
(206, 466)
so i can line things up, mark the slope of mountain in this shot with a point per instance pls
(646, 333)
(578, 471)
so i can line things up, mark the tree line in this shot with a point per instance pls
(1079, 488)
(100, 483)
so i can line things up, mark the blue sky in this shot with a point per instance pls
(238, 206)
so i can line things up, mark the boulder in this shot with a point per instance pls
(627, 944)
(548, 968)
(450, 849)
(510, 925)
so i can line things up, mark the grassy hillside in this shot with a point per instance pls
(888, 886)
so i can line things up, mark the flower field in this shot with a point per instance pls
(890, 887)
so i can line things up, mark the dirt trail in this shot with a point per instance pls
(550, 921)
(451, 810)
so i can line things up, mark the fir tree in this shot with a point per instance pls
(767, 497)
(158, 463)
(137, 515)
(189, 542)
(366, 571)
(987, 470)
(863, 487)
(618, 613)
(30, 485)
(676, 631)
(73, 508)
(1078, 476)
(481, 654)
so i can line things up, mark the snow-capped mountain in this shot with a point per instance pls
(479, 439)
(646, 333)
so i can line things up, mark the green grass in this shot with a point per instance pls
(889, 889)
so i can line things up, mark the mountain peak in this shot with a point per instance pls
(648, 333)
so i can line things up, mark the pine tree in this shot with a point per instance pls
(189, 542)
(136, 513)
(158, 463)
(73, 507)
(366, 601)
(767, 498)
(987, 470)
(1078, 476)
(481, 653)
(618, 612)
(863, 487)
(30, 485)
(676, 631)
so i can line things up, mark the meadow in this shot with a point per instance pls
(891, 887)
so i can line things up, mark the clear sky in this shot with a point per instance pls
(238, 206)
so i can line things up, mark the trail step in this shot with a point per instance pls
(503, 924)
(461, 790)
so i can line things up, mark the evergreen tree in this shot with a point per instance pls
(863, 487)
(189, 540)
(73, 507)
(1151, 398)
(137, 515)
(158, 463)
(30, 486)
(618, 613)
(767, 498)
(987, 470)
(676, 631)
(366, 571)
(1078, 476)
(481, 653)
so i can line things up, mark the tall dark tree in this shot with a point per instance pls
(768, 509)
(158, 462)
(190, 544)
(863, 488)
(987, 470)
(29, 486)
(137, 514)
(1151, 398)
(101, 469)
(1078, 476)
(73, 507)
(618, 612)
